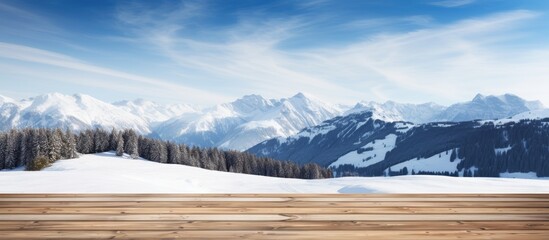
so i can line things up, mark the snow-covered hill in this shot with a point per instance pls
(76, 112)
(247, 121)
(107, 173)
(529, 115)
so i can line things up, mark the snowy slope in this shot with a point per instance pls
(330, 140)
(374, 146)
(437, 163)
(153, 112)
(369, 154)
(247, 121)
(532, 115)
(106, 173)
(76, 112)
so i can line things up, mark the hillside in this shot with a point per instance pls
(360, 144)
(107, 173)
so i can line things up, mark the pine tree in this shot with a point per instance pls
(43, 140)
(23, 149)
(55, 145)
(130, 141)
(174, 154)
(119, 145)
(85, 142)
(69, 148)
(101, 140)
(113, 140)
(3, 145)
(453, 156)
(10, 157)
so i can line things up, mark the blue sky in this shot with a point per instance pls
(207, 52)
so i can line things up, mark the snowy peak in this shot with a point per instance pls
(310, 101)
(480, 107)
(478, 97)
(251, 103)
(304, 98)
(247, 121)
(506, 99)
(153, 112)
(76, 112)
(391, 111)
(4, 99)
(487, 107)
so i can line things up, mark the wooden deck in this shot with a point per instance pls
(274, 216)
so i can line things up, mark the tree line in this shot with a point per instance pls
(26, 147)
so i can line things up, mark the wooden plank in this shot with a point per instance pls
(266, 210)
(275, 195)
(276, 217)
(277, 235)
(269, 225)
(273, 199)
(446, 204)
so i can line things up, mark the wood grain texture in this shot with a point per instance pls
(274, 216)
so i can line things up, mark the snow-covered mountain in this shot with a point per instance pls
(235, 125)
(325, 143)
(242, 123)
(481, 107)
(153, 112)
(362, 144)
(247, 121)
(391, 111)
(4, 99)
(76, 112)
(487, 107)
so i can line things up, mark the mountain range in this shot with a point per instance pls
(247, 121)
(481, 107)
(362, 144)
(235, 125)
(240, 124)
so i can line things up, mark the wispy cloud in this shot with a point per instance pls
(38, 56)
(451, 62)
(407, 58)
(452, 3)
(245, 54)
(376, 23)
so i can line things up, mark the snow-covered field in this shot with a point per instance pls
(106, 173)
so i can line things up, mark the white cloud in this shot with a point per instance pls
(38, 56)
(434, 62)
(444, 63)
(452, 3)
